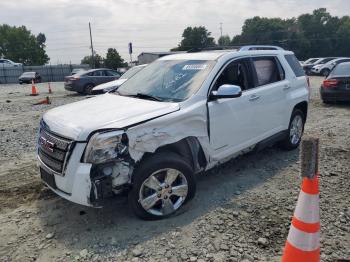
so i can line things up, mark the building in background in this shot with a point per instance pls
(149, 57)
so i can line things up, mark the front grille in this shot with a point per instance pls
(53, 150)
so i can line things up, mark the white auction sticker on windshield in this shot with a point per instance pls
(195, 67)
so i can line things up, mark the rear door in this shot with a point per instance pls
(99, 77)
(269, 95)
(111, 75)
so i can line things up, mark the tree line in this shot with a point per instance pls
(112, 60)
(318, 34)
(21, 46)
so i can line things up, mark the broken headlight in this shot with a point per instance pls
(104, 147)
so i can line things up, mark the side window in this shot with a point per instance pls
(295, 65)
(268, 70)
(99, 73)
(111, 73)
(236, 73)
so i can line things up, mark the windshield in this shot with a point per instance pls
(132, 71)
(341, 70)
(168, 80)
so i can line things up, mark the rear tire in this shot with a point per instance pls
(162, 166)
(295, 130)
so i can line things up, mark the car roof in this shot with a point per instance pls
(216, 54)
(207, 55)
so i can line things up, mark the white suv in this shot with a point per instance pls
(180, 115)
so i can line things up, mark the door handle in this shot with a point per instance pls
(286, 87)
(254, 97)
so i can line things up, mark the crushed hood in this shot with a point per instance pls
(77, 120)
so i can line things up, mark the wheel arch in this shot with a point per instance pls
(303, 107)
(189, 148)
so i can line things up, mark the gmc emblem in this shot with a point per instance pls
(46, 143)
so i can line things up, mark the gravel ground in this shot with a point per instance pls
(245, 217)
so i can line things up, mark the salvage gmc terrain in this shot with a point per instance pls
(180, 115)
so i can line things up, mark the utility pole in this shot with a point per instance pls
(92, 49)
(221, 29)
(130, 52)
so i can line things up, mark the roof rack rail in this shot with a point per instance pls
(239, 48)
(212, 48)
(259, 47)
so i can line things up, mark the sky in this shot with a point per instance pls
(151, 25)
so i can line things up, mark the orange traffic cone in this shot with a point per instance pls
(50, 91)
(34, 91)
(46, 101)
(303, 242)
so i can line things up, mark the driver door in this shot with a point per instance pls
(233, 120)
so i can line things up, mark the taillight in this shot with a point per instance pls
(329, 83)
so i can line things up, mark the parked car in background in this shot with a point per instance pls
(109, 86)
(336, 87)
(76, 70)
(309, 64)
(309, 61)
(28, 77)
(318, 62)
(9, 63)
(84, 81)
(325, 69)
(179, 116)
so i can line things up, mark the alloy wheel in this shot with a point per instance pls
(296, 129)
(163, 192)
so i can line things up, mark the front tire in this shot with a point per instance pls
(162, 184)
(295, 130)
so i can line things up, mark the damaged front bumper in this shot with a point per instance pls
(84, 183)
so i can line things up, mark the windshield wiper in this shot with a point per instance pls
(146, 96)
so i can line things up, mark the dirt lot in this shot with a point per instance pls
(242, 210)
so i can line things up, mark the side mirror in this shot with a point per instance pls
(226, 91)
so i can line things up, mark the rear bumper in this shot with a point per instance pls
(334, 95)
(71, 86)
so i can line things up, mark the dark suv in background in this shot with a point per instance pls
(84, 81)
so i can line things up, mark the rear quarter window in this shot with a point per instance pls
(295, 65)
